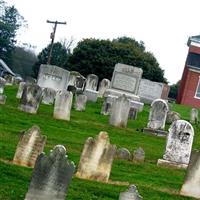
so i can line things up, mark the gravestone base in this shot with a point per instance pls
(159, 133)
(91, 95)
(3, 99)
(27, 109)
(162, 162)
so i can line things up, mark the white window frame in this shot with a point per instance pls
(198, 85)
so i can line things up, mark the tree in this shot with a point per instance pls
(10, 22)
(174, 90)
(60, 54)
(100, 56)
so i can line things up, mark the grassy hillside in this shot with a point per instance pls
(153, 182)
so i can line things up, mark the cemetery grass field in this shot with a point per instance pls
(153, 182)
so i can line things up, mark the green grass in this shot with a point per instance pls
(153, 182)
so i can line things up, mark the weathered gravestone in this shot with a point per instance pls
(9, 79)
(51, 176)
(63, 104)
(20, 90)
(72, 78)
(139, 155)
(130, 194)
(157, 117)
(31, 98)
(2, 84)
(91, 87)
(149, 91)
(192, 180)
(80, 102)
(172, 116)
(123, 154)
(48, 96)
(96, 158)
(80, 84)
(3, 99)
(30, 145)
(179, 145)
(194, 115)
(103, 86)
(51, 76)
(120, 112)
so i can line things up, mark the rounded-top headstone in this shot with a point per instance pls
(123, 154)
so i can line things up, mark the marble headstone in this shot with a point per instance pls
(130, 194)
(20, 90)
(103, 86)
(139, 155)
(31, 98)
(194, 115)
(96, 158)
(48, 96)
(179, 145)
(123, 154)
(158, 114)
(51, 176)
(2, 84)
(80, 102)
(30, 145)
(63, 104)
(120, 112)
(172, 116)
(191, 184)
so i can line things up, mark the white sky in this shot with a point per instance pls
(163, 25)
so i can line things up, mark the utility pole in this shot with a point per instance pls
(52, 38)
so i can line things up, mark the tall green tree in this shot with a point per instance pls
(10, 22)
(60, 54)
(100, 56)
(174, 90)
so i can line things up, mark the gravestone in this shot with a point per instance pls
(96, 158)
(179, 145)
(63, 104)
(192, 180)
(51, 176)
(31, 98)
(3, 99)
(72, 78)
(120, 112)
(30, 145)
(139, 155)
(91, 87)
(123, 154)
(103, 86)
(131, 194)
(2, 84)
(20, 90)
(80, 84)
(194, 115)
(158, 114)
(150, 91)
(9, 79)
(172, 116)
(51, 76)
(80, 102)
(48, 96)
(30, 80)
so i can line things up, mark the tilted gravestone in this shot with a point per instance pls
(31, 98)
(30, 145)
(179, 145)
(194, 118)
(172, 116)
(103, 86)
(80, 102)
(120, 112)
(51, 176)
(63, 104)
(91, 87)
(48, 96)
(51, 76)
(20, 90)
(130, 194)
(2, 84)
(96, 158)
(192, 180)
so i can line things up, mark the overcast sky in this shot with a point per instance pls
(163, 25)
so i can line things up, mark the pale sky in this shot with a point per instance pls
(163, 25)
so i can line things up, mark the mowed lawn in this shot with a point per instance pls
(153, 182)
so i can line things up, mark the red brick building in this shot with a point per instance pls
(189, 90)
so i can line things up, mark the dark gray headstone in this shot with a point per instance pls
(51, 176)
(123, 154)
(131, 194)
(139, 155)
